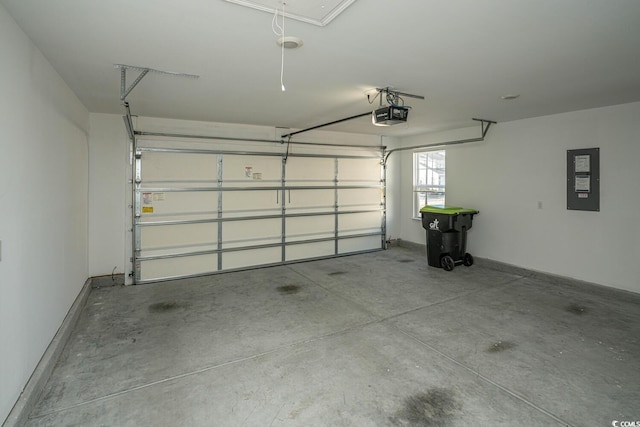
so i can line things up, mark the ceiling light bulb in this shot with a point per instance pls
(283, 89)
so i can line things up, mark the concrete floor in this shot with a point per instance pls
(379, 339)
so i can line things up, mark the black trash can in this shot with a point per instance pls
(447, 235)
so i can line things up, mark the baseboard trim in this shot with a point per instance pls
(19, 414)
(549, 277)
(107, 281)
(521, 271)
(412, 245)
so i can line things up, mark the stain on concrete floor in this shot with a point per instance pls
(576, 309)
(337, 273)
(500, 346)
(166, 306)
(289, 289)
(435, 407)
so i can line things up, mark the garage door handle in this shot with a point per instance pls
(278, 196)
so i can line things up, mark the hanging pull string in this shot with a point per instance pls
(282, 52)
(279, 31)
(282, 49)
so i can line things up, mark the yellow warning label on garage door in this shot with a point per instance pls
(147, 209)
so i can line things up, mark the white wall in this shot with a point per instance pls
(108, 162)
(43, 206)
(400, 166)
(522, 163)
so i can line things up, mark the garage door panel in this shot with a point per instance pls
(182, 235)
(251, 200)
(178, 267)
(359, 223)
(247, 233)
(359, 244)
(306, 199)
(251, 258)
(178, 251)
(359, 170)
(310, 227)
(176, 167)
(251, 169)
(361, 197)
(301, 169)
(310, 250)
(178, 203)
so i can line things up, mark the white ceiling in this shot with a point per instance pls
(462, 55)
(316, 12)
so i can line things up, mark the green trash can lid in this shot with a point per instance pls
(448, 210)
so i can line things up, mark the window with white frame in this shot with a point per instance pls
(428, 179)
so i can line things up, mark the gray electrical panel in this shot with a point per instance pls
(583, 179)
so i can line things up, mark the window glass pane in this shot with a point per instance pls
(429, 179)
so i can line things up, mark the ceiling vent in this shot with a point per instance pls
(314, 12)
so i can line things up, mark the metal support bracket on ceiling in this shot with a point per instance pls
(392, 97)
(396, 93)
(484, 127)
(124, 90)
(389, 90)
(485, 124)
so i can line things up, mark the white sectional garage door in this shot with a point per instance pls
(207, 207)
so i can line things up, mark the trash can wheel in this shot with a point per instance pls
(447, 262)
(467, 259)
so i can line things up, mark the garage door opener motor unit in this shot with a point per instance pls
(394, 112)
(390, 115)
